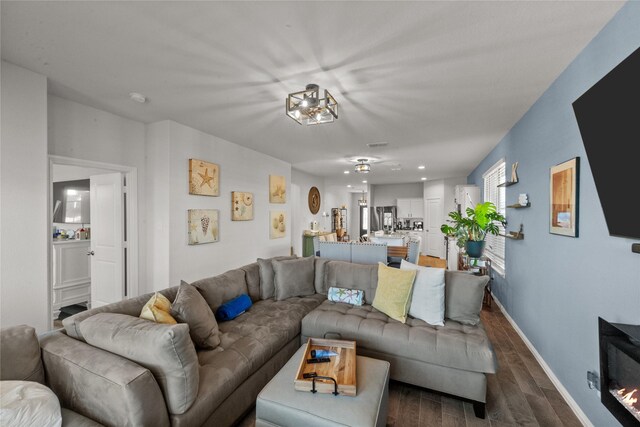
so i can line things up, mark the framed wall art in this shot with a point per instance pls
(277, 224)
(203, 226)
(277, 189)
(241, 206)
(204, 178)
(563, 203)
(314, 200)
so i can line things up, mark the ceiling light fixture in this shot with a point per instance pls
(363, 200)
(306, 106)
(424, 178)
(364, 182)
(346, 172)
(421, 167)
(363, 166)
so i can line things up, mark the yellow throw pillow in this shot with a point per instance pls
(393, 294)
(157, 310)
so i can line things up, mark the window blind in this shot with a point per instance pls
(495, 245)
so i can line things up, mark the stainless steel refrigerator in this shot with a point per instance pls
(382, 218)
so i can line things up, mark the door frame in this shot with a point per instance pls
(131, 222)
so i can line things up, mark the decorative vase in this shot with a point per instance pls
(475, 248)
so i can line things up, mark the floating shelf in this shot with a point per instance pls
(519, 206)
(507, 184)
(514, 237)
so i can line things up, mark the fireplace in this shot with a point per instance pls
(620, 370)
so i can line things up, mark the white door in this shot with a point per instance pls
(107, 239)
(435, 238)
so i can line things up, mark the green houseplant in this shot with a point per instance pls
(470, 231)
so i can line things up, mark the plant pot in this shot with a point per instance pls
(475, 248)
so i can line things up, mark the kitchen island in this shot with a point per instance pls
(393, 239)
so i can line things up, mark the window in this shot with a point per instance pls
(494, 247)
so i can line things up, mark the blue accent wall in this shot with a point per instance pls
(555, 286)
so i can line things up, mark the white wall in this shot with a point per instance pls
(301, 216)
(170, 146)
(82, 132)
(23, 182)
(387, 194)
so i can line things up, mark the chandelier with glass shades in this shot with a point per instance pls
(363, 200)
(306, 106)
(362, 166)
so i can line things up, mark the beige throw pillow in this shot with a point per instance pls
(158, 309)
(191, 308)
(393, 294)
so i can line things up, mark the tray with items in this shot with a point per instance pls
(328, 366)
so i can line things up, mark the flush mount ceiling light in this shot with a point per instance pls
(306, 106)
(363, 166)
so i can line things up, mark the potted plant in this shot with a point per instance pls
(470, 231)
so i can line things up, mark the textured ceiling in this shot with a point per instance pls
(440, 82)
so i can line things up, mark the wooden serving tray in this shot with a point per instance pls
(341, 367)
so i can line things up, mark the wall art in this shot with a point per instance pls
(241, 206)
(277, 224)
(203, 226)
(563, 192)
(277, 189)
(204, 178)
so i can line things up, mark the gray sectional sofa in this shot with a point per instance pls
(113, 390)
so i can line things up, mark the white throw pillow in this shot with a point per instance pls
(427, 301)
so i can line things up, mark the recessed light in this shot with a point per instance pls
(364, 182)
(138, 97)
(421, 167)
(424, 178)
(349, 186)
(346, 172)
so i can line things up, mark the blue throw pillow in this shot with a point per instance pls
(234, 308)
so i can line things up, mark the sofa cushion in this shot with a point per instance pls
(166, 350)
(319, 281)
(191, 308)
(267, 285)
(130, 307)
(427, 299)
(252, 276)
(454, 345)
(341, 274)
(20, 355)
(158, 309)
(293, 278)
(27, 403)
(393, 293)
(263, 330)
(224, 287)
(248, 342)
(463, 296)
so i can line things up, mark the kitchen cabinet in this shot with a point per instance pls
(71, 273)
(410, 208)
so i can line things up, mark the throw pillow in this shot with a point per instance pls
(463, 296)
(267, 287)
(393, 294)
(158, 310)
(347, 296)
(191, 308)
(427, 299)
(234, 308)
(294, 278)
(166, 350)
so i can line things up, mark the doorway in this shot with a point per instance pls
(75, 239)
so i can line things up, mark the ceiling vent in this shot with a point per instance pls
(377, 144)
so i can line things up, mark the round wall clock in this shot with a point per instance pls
(314, 200)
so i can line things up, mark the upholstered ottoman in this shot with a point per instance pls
(279, 404)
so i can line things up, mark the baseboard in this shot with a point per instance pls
(556, 382)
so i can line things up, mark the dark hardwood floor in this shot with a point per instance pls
(520, 394)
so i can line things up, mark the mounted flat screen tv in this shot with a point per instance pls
(608, 116)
